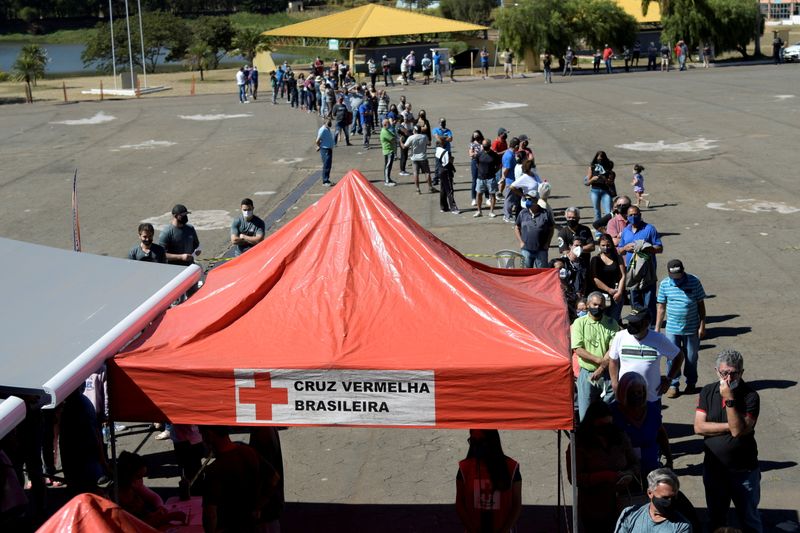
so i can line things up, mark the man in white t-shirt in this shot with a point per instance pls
(640, 349)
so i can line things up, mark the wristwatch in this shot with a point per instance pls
(730, 403)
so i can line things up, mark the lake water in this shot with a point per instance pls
(66, 58)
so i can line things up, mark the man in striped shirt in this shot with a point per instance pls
(681, 300)
(639, 349)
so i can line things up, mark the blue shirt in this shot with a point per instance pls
(509, 162)
(648, 233)
(681, 301)
(443, 132)
(325, 137)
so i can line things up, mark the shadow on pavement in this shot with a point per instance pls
(766, 384)
(717, 332)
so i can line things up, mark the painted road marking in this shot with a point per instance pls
(214, 117)
(290, 160)
(493, 106)
(265, 193)
(147, 145)
(751, 205)
(698, 145)
(98, 118)
(212, 219)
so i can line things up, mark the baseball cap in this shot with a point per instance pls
(522, 137)
(637, 314)
(501, 131)
(675, 268)
(533, 194)
(179, 209)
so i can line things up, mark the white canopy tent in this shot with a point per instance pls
(66, 313)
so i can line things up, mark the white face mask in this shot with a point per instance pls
(248, 213)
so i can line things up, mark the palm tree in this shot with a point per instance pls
(197, 57)
(248, 42)
(29, 66)
(663, 4)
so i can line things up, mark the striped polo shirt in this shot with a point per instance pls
(681, 301)
(643, 357)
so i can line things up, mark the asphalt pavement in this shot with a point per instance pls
(720, 151)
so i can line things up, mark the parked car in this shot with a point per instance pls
(792, 53)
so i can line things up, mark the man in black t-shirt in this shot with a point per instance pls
(147, 250)
(726, 416)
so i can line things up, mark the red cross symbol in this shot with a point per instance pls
(263, 396)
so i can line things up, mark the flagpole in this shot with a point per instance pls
(113, 53)
(130, 49)
(76, 222)
(141, 38)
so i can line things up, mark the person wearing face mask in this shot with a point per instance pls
(661, 513)
(179, 239)
(147, 250)
(640, 349)
(247, 230)
(534, 230)
(641, 422)
(726, 416)
(636, 235)
(681, 301)
(572, 229)
(618, 222)
(591, 336)
(607, 274)
(488, 485)
(605, 467)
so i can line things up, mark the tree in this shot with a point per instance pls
(688, 20)
(29, 66)
(540, 25)
(217, 33)
(600, 22)
(197, 57)
(734, 21)
(248, 42)
(474, 11)
(162, 31)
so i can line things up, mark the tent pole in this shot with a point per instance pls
(572, 460)
(114, 472)
(558, 482)
(353, 57)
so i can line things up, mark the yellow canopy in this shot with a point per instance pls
(372, 20)
(634, 9)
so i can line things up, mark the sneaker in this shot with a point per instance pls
(672, 392)
(691, 389)
(390, 183)
(492, 215)
(120, 427)
(419, 191)
(432, 190)
(506, 219)
(404, 173)
(327, 184)
(456, 212)
(164, 435)
(474, 202)
(478, 214)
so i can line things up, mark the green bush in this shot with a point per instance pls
(4, 76)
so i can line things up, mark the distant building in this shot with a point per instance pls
(781, 11)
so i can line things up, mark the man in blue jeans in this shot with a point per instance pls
(681, 301)
(534, 230)
(325, 149)
(591, 336)
(726, 415)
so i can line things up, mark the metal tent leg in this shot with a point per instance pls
(574, 467)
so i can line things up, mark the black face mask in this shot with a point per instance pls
(662, 505)
(147, 242)
(596, 312)
(572, 223)
(635, 328)
(635, 399)
(183, 219)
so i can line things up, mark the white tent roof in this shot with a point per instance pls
(12, 412)
(66, 312)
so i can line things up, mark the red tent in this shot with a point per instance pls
(87, 513)
(353, 314)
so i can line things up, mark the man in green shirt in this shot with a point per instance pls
(591, 336)
(388, 145)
